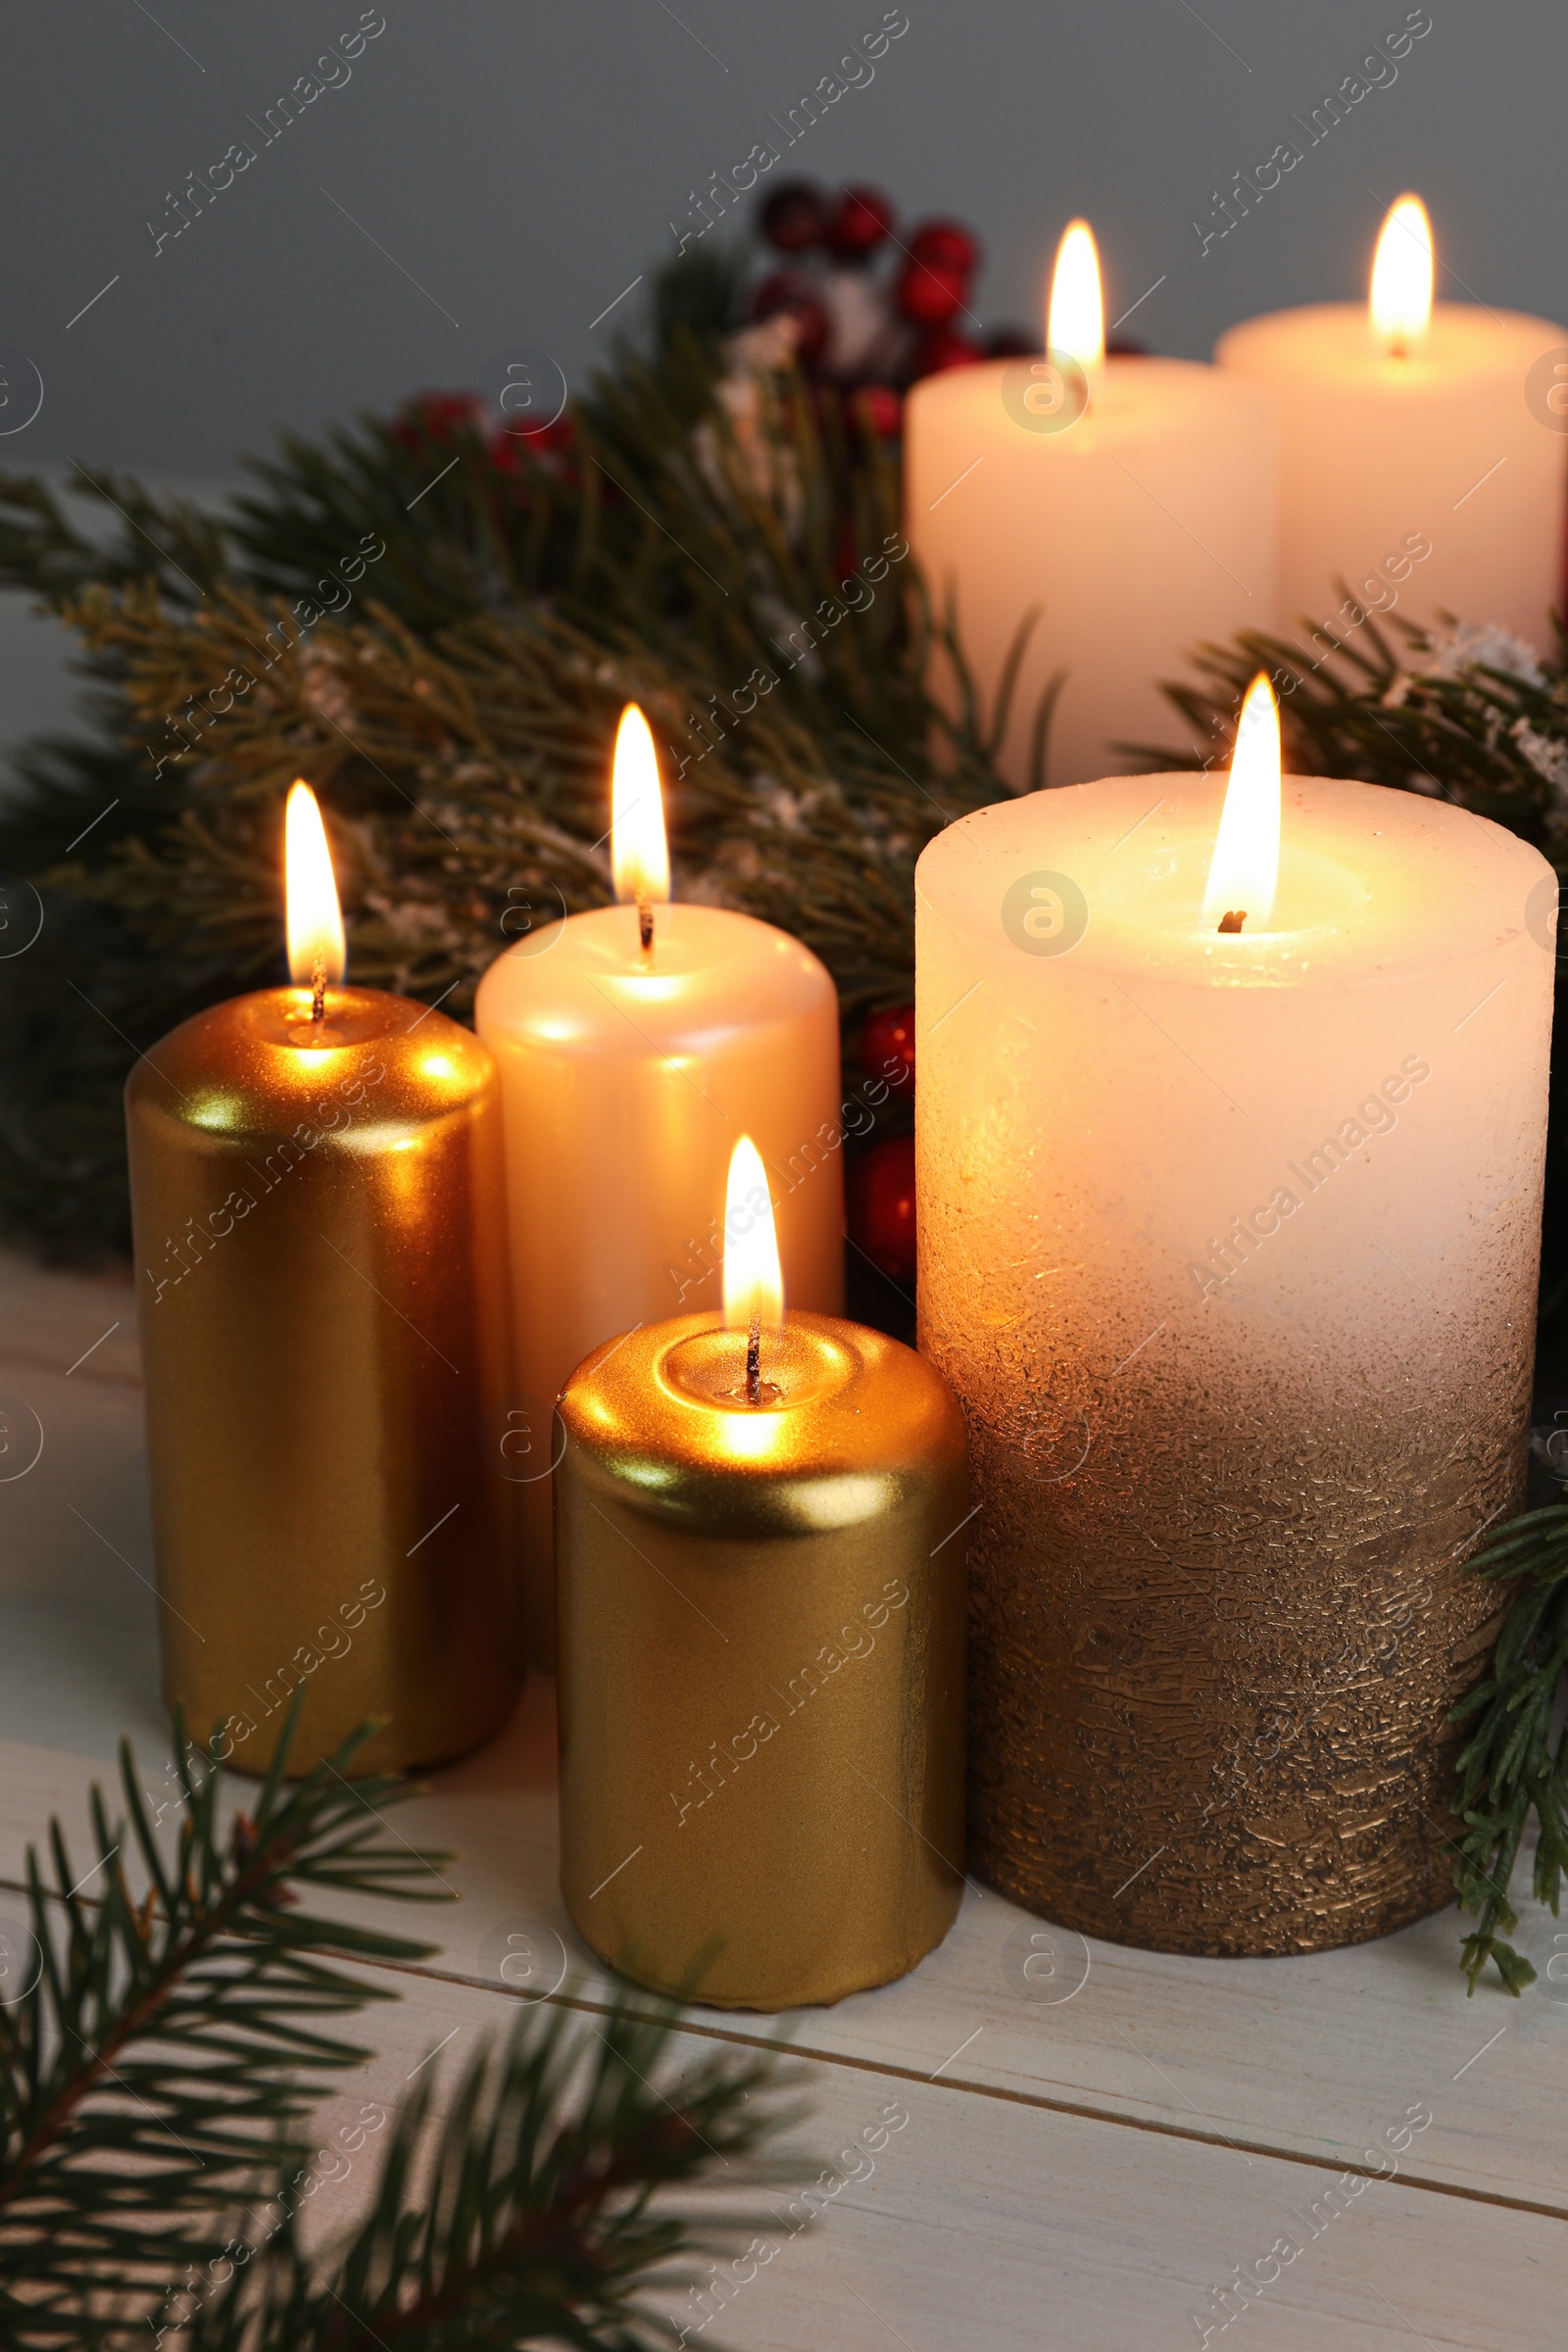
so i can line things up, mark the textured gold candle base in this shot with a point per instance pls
(1233, 1747)
(762, 1661)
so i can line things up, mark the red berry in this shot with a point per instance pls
(443, 417)
(887, 1046)
(944, 348)
(929, 293)
(789, 290)
(881, 1204)
(552, 448)
(879, 408)
(795, 216)
(859, 222)
(945, 245)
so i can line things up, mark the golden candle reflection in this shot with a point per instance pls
(316, 955)
(1076, 320)
(639, 853)
(1400, 299)
(1245, 870)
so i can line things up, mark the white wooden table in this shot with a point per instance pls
(1076, 2172)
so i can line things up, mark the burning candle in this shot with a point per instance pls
(1128, 504)
(760, 1528)
(1421, 465)
(1229, 1141)
(316, 1195)
(634, 1045)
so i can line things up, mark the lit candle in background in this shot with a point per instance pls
(1399, 299)
(760, 1529)
(1420, 464)
(1229, 1138)
(317, 1203)
(1075, 316)
(635, 1043)
(1129, 503)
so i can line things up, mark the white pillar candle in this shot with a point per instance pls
(627, 1075)
(1421, 464)
(1228, 1245)
(1129, 503)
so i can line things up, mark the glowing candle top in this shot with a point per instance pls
(639, 852)
(1075, 319)
(316, 955)
(1399, 300)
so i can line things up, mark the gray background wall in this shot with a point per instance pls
(511, 166)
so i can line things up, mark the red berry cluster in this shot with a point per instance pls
(435, 422)
(880, 1177)
(876, 310)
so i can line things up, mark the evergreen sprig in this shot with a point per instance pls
(165, 2041)
(156, 2073)
(1465, 713)
(704, 532)
(1509, 1767)
(551, 2205)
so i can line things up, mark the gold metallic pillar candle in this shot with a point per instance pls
(759, 1565)
(316, 1185)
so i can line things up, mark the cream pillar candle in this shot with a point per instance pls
(1420, 462)
(627, 1075)
(1228, 1245)
(1129, 503)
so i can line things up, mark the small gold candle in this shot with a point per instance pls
(315, 1187)
(760, 1594)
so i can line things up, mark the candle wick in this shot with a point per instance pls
(645, 923)
(754, 1358)
(318, 988)
(1233, 920)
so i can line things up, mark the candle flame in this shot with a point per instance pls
(639, 853)
(1402, 276)
(1076, 320)
(754, 1282)
(315, 921)
(1244, 871)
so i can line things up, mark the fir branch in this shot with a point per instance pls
(155, 2077)
(702, 531)
(139, 534)
(146, 2073)
(467, 769)
(566, 2196)
(1464, 713)
(1509, 1768)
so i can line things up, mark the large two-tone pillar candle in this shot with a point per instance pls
(635, 1043)
(315, 1180)
(1422, 447)
(1126, 506)
(1230, 1195)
